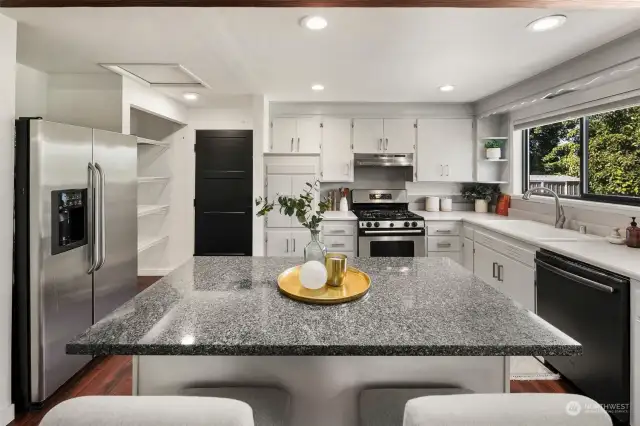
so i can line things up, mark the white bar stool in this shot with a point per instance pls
(149, 411)
(521, 409)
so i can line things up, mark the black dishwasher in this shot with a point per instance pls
(592, 306)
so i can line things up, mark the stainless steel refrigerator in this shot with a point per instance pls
(75, 245)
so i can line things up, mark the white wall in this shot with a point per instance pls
(147, 99)
(8, 34)
(31, 92)
(89, 100)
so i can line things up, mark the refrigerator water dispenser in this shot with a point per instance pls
(69, 219)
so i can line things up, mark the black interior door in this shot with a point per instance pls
(224, 192)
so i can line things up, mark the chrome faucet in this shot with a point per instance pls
(560, 218)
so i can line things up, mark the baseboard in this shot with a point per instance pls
(153, 272)
(7, 415)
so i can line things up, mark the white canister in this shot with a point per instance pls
(482, 206)
(433, 204)
(344, 204)
(446, 205)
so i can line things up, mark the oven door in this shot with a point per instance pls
(387, 244)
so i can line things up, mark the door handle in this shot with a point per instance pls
(294, 245)
(298, 144)
(582, 280)
(447, 169)
(494, 269)
(287, 249)
(93, 251)
(346, 170)
(386, 144)
(103, 233)
(380, 144)
(441, 170)
(500, 269)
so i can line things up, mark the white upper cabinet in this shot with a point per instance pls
(283, 134)
(336, 160)
(368, 135)
(399, 135)
(309, 135)
(445, 150)
(278, 185)
(389, 135)
(295, 135)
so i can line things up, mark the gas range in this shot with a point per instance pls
(386, 227)
(387, 219)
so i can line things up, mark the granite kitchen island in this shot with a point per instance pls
(221, 321)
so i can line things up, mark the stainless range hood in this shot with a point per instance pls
(384, 160)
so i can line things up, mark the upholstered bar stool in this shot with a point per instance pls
(270, 405)
(149, 411)
(385, 406)
(534, 409)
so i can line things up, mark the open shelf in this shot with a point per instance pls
(145, 141)
(144, 210)
(153, 179)
(145, 245)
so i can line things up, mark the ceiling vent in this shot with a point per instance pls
(158, 75)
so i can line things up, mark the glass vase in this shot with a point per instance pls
(315, 250)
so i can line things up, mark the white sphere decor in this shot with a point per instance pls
(313, 275)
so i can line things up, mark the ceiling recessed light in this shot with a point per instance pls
(313, 22)
(446, 88)
(191, 96)
(547, 23)
(317, 87)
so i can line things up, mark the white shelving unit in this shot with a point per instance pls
(155, 136)
(147, 209)
(487, 170)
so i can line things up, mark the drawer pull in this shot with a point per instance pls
(337, 231)
(443, 231)
(495, 264)
(337, 245)
(444, 244)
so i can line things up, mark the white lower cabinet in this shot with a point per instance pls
(509, 276)
(635, 353)
(467, 254)
(287, 243)
(340, 237)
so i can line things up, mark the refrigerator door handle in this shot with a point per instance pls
(93, 249)
(103, 242)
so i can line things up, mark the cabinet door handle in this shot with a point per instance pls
(298, 144)
(500, 269)
(294, 245)
(443, 231)
(386, 144)
(287, 249)
(494, 269)
(441, 170)
(447, 170)
(444, 244)
(346, 170)
(337, 245)
(291, 144)
(380, 144)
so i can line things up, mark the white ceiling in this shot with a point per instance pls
(390, 55)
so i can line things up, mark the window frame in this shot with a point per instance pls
(584, 169)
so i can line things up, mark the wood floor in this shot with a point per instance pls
(112, 375)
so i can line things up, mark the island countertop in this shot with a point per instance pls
(231, 306)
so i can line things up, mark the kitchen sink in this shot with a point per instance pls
(537, 231)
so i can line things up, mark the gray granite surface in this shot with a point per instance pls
(231, 306)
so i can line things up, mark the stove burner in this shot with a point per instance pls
(387, 215)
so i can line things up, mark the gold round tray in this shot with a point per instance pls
(356, 285)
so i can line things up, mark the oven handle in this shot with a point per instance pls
(408, 231)
(574, 277)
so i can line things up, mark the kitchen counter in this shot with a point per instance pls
(458, 215)
(333, 215)
(231, 306)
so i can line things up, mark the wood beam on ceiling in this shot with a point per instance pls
(556, 4)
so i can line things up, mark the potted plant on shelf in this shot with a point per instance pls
(493, 149)
(302, 208)
(481, 194)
